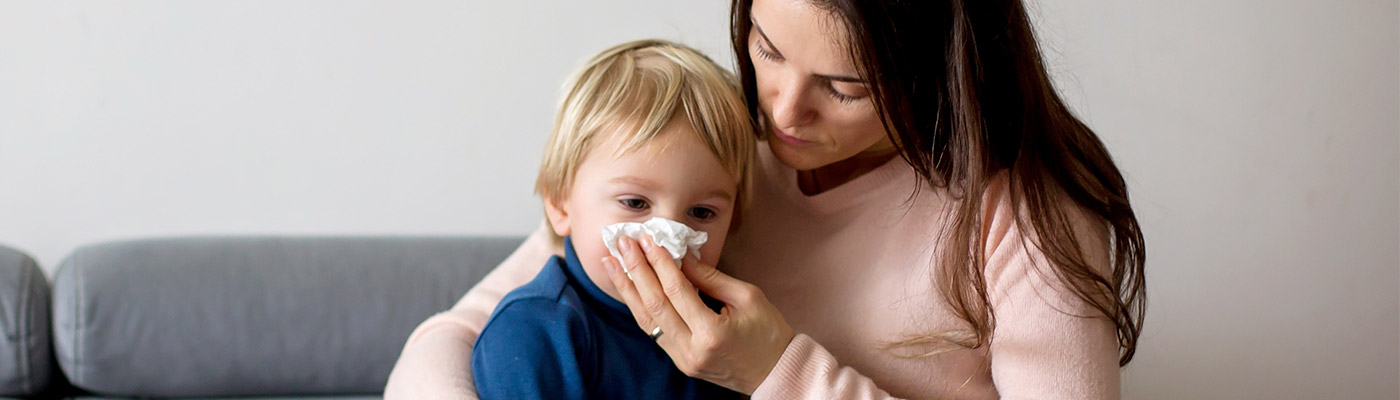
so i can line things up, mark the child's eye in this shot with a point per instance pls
(702, 213)
(634, 204)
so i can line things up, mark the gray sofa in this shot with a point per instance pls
(26, 358)
(228, 317)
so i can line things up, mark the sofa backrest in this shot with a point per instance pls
(254, 316)
(26, 359)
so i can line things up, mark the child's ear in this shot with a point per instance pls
(558, 217)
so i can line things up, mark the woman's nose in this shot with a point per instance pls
(790, 106)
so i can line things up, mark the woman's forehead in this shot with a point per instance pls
(806, 33)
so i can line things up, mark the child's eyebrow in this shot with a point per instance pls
(651, 185)
(632, 180)
(721, 194)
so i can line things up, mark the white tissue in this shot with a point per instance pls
(673, 236)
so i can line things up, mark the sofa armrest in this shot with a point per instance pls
(25, 354)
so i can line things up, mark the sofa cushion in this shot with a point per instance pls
(254, 316)
(25, 355)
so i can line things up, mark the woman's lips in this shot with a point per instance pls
(791, 141)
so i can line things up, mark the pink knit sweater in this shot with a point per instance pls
(850, 269)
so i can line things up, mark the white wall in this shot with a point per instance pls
(128, 119)
(1261, 140)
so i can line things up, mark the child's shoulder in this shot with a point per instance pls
(537, 343)
(544, 322)
(551, 284)
(548, 299)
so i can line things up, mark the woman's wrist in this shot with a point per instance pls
(783, 341)
(782, 369)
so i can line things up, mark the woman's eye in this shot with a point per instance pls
(764, 53)
(842, 97)
(635, 204)
(702, 213)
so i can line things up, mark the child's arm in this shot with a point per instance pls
(532, 349)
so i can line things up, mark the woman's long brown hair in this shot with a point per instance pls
(965, 96)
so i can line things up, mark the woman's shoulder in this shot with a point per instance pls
(1013, 226)
(1007, 210)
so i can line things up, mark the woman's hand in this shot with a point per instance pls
(735, 348)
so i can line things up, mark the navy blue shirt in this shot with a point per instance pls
(561, 337)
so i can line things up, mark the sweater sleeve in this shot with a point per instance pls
(1048, 343)
(532, 349)
(806, 370)
(435, 362)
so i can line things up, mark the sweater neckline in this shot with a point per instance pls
(856, 191)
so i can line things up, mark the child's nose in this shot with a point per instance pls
(677, 215)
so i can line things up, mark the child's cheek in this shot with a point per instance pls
(710, 252)
(591, 253)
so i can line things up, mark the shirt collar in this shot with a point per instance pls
(575, 270)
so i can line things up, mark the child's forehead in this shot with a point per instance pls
(625, 140)
(674, 154)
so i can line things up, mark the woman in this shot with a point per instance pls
(929, 221)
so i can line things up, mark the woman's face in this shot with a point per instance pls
(816, 108)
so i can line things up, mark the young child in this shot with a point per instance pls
(647, 129)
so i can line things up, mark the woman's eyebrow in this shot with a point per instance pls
(834, 78)
(840, 78)
(765, 36)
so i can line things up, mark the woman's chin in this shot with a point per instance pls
(796, 159)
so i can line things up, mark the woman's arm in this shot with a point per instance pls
(1048, 343)
(1038, 351)
(747, 348)
(436, 360)
(809, 371)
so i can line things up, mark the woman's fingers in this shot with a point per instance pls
(624, 287)
(736, 351)
(651, 295)
(719, 285)
(676, 287)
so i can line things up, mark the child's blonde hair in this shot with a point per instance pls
(635, 89)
